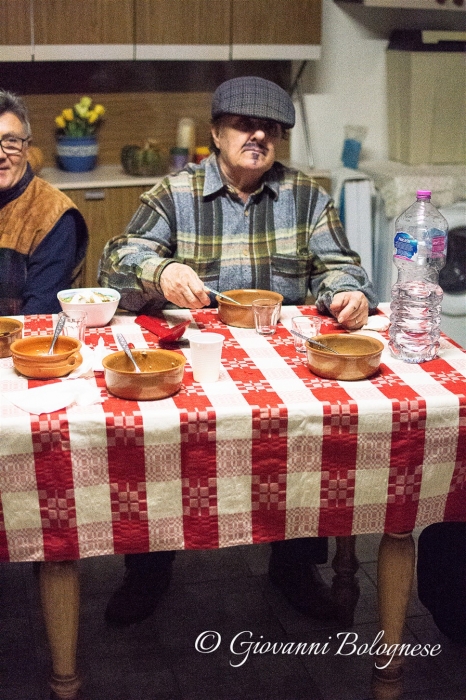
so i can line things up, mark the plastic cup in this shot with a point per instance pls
(75, 325)
(306, 325)
(206, 352)
(266, 314)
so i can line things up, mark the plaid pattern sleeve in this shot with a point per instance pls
(287, 237)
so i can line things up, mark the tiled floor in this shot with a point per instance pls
(227, 592)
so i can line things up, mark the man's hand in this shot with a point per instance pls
(351, 309)
(183, 287)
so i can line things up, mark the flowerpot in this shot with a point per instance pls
(77, 154)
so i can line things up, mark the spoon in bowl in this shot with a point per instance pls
(222, 296)
(124, 346)
(314, 343)
(58, 330)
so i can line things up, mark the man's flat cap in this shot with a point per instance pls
(254, 97)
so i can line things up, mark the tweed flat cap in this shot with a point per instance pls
(254, 97)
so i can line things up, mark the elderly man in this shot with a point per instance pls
(239, 219)
(43, 237)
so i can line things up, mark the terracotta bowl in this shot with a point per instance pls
(10, 330)
(30, 356)
(359, 356)
(161, 374)
(242, 316)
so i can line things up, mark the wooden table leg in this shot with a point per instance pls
(394, 583)
(59, 588)
(345, 586)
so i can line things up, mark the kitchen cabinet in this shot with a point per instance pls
(458, 5)
(107, 211)
(85, 30)
(182, 29)
(216, 30)
(16, 43)
(273, 29)
(228, 29)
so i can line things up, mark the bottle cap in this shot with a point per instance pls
(178, 151)
(423, 194)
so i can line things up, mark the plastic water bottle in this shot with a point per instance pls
(420, 249)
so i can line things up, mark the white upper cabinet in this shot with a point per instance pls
(458, 5)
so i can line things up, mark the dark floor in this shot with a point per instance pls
(227, 592)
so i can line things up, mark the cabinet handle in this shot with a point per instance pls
(94, 194)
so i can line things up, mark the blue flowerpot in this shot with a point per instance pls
(77, 154)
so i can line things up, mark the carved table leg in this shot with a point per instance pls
(345, 587)
(394, 582)
(59, 587)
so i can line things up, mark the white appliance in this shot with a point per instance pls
(385, 272)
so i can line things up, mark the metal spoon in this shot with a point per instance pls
(58, 330)
(315, 343)
(124, 346)
(223, 296)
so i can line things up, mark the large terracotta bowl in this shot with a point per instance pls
(30, 356)
(161, 374)
(242, 316)
(359, 356)
(10, 330)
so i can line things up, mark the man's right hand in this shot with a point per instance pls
(183, 287)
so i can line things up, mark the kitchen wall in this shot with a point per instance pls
(347, 85)
(142, 98)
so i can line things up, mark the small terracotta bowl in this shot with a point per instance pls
(242, 316)
(359, 356)
(30, 356)
(10, 330)
(161, 374)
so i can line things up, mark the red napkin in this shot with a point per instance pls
(168, 335)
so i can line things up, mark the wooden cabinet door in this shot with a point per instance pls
(182, 29)
(83, 30)
(107, 212)
(274, 29)
(15, 23)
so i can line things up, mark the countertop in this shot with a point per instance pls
(101, 176)
(398, 182)
(114, 176)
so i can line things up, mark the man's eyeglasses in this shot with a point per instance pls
(250, 124)
(12, 144)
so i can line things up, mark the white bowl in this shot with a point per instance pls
(98, 313)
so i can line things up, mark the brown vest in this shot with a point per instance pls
(26, 221)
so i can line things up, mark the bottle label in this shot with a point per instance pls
(405, 246)
(438, 241)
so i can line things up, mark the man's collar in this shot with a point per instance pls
(213, 181)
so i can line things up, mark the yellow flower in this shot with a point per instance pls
(92, 116)
(80, 120)
(81, 110)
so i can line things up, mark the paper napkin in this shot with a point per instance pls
(53, 397)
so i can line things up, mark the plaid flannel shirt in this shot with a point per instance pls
(287, 238)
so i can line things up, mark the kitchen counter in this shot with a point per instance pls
(101, 176)
(114, 176)
(398, 183)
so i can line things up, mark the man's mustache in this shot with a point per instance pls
(252, 146)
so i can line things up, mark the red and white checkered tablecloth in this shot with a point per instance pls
(268, 452)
